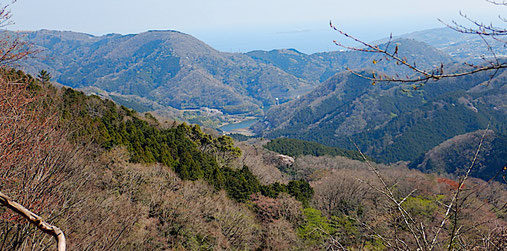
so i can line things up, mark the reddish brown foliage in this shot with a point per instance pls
(35, 157)
(453, 185)
(267, 209)
(271, 210)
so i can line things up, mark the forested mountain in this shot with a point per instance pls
(171, 69)
(391, 122)
(168, 67)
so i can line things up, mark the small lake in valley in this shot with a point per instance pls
(236, 126)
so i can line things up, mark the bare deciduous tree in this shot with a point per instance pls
(421, 235)
(35, 160)
(33, 151)
(12, 47)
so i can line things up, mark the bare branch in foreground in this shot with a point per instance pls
(390, 52)
(35, 220)
(417, 229)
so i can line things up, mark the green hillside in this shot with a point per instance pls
(191, 153)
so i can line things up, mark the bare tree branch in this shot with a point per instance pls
(503, 3)
(35, 220)
(386, 190)
(422, 76)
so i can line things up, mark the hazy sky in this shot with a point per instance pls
(244, 25)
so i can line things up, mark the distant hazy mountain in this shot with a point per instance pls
(460, 46)
(386, 122)
(168, 67)
(319, 67)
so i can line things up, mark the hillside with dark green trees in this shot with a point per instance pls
(453, 156)
(297, 147)
(390, 122)
(191, 153)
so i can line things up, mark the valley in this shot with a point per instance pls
(284, 93)
(155, 140)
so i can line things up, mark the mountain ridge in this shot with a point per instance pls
(318, 67)
(174, 69)
(161, 65)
